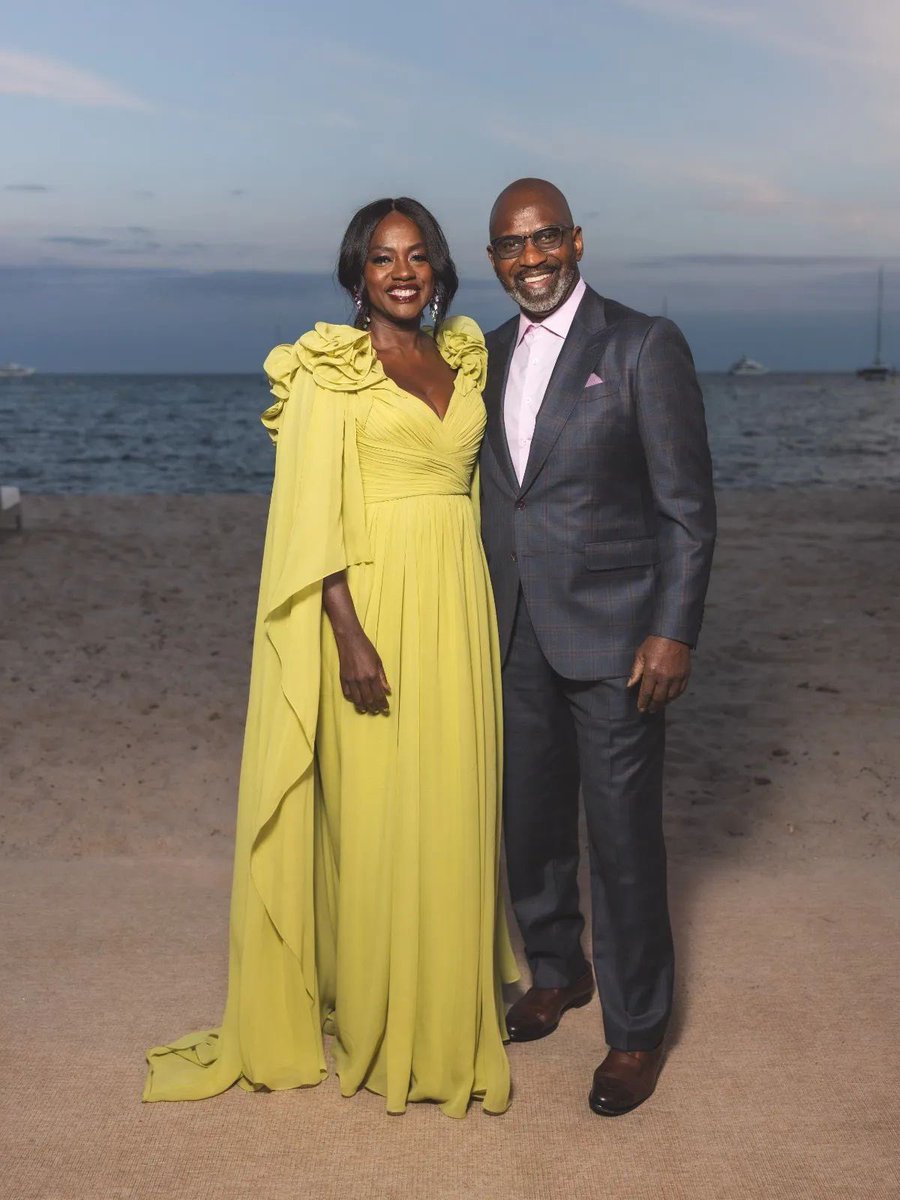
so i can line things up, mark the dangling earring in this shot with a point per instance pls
(435, 305)
(358, 301)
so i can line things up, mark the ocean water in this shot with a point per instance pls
(201, 433)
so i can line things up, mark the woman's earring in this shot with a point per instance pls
(435, 305)
(358, 301)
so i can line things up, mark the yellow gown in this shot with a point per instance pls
(365, 892)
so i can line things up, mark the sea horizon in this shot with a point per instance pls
(197, 432)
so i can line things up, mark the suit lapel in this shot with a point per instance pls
(576, 359)
(499, 358)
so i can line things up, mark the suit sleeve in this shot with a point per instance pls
(672, 427)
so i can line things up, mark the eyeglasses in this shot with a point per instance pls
(511, 245)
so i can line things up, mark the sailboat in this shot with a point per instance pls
(877, 370)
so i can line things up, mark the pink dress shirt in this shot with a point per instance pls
(537, 348)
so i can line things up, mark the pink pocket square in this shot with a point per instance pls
(593, 380)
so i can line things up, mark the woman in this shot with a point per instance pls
(365, 885)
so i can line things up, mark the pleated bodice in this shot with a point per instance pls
(406, 450)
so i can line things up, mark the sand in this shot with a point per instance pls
(124, 648)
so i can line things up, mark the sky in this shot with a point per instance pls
(175, 178)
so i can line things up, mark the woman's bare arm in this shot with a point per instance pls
(363, 680)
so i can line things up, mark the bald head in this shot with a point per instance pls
(535, 245)
(529, 193)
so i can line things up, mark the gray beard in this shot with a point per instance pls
(563, 285)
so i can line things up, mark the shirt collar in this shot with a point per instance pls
(560, 320)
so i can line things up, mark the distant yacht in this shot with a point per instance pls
(13, 370)
(877, 370)
(747, 366)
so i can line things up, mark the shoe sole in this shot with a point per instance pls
(616, 1112)
(613, 1112)
(536, 1037)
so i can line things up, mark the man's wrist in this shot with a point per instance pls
(667, 638)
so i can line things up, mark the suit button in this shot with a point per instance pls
(514, 556)
(520, 504)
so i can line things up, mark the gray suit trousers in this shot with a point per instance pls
(558, 733)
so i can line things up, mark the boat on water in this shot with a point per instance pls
(747, 366)
(877, 370)
(14, 370)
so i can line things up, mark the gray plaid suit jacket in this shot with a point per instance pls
(610, 535)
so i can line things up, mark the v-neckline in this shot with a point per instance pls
(418, 399)
(424, 403)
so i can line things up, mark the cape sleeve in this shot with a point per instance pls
(316, 527)
(271, 1032)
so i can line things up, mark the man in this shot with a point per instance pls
(598, 521)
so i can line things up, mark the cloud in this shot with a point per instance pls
(853, 46)
(24, 74)
(791, 261)
(817, 29)
(703, 183)
(27, 187)
(730, 190)
(237, 192)
(720, 186)
(132, 241)
(148, 247)
(73, 240)
(253, 285)
(749, 196)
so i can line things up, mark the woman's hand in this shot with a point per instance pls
(363, 680)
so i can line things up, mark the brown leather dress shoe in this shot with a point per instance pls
(625, 1079)
(537, 1013)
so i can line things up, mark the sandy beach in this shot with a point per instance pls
(125, 629)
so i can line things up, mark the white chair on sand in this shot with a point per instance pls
(11, 506)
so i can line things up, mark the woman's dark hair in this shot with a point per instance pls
(355, 249)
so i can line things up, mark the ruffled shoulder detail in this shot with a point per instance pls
(339, 358)
(280, 366)
(461, 342)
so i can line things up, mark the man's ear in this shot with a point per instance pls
(578, 242)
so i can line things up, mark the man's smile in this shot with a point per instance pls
(537, 278)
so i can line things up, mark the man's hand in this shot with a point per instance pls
(663, 666)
